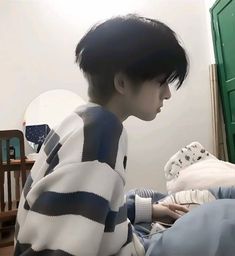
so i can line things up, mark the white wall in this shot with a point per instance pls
(208, 5)
(38, 40)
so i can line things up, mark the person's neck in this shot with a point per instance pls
(115, 106)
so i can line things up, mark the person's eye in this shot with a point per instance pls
(162, 82)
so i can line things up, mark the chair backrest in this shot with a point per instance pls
(10, 168)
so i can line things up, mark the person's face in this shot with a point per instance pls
(147, 101)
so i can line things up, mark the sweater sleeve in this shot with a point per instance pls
(73, 212)
(139, 204)
(139, 209)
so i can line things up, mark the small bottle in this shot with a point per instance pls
(12, 152)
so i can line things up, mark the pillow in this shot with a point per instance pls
(204, 174)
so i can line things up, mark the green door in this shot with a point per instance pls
(223, 29)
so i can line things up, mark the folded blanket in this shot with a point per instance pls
(189, 198)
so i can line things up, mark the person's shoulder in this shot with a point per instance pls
(102, 132)
(97, 118)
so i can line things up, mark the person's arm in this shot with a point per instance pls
(72, 211)
(142, 206)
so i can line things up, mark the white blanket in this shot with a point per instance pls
(201, 170)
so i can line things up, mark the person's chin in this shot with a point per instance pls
(147, 117)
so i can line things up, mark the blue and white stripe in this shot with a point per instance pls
(73, 201)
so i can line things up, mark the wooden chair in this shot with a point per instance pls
(9, 201)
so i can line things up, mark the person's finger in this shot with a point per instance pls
(178, 207)
(173, 214)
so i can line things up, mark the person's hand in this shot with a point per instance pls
(168, 213)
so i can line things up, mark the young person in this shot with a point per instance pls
(73, 201)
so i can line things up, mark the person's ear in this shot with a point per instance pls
(120, 82)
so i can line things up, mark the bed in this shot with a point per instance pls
(208, 230)
(206, 185)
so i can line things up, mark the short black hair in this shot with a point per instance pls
(140, 47)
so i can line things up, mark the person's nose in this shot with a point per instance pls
(167, 92)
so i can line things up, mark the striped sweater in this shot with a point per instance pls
(73, 201)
